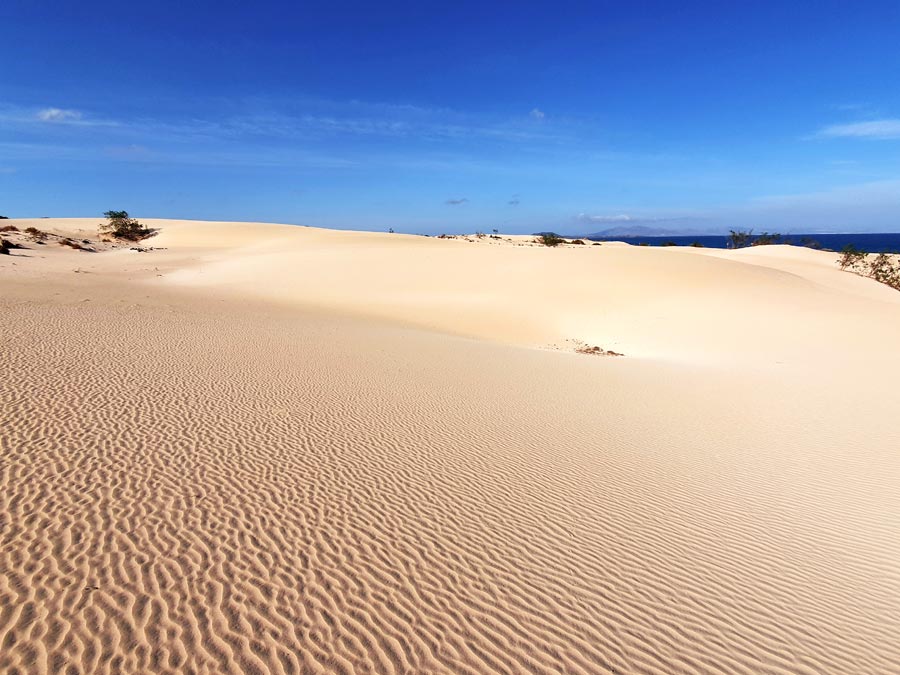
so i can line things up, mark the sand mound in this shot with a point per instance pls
(240, 452)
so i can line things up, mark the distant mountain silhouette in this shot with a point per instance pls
(633, 231)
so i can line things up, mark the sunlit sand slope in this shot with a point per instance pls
(241, 453)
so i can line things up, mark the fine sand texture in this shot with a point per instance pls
(255, 448)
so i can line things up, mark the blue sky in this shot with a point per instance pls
(444, 117)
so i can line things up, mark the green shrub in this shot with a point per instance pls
(882, 268)
(740, 238)
(885, 270)
(121, 226)
(809, 242)
(766, 239)
(549, 239)
(853, 259)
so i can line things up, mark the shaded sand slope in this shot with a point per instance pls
(202, 477)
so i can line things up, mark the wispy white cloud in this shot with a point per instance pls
(537, 113)
(265, 132)
(340, 135)
(28, 118)
(855, 196)
(350, 120)
(19, 151)
(132, 151)
(883, 129)
(398, 123)
(216, 157)
(58, 115)
(852, 107)
(859, 207)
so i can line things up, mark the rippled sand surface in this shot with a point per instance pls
(266, 449)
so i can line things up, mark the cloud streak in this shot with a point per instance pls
(58, 115)
(30, 119)
(883, 129)
(456, 202)
(419, 126)
(860, 207)
(304, 121)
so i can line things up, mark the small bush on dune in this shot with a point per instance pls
(882, 268)
(766, 239)
(697, 244)
(745, 238)
(549, 239)
(739, 238)
(4, 247)
(853, 259)
(121, 226)
(809, 242)
(9, 228)
(885, 270)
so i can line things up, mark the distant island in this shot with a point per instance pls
(634, 231)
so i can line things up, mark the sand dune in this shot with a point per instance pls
(271, 449)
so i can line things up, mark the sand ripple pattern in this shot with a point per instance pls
(300, 495)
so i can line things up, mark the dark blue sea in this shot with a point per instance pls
(873, 243)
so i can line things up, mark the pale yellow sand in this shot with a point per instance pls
(272, 449)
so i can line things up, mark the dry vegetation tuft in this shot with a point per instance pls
(593, 350)
(883, 268)
(78, 246)
(38, 236)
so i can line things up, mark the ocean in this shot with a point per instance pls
(871, 242)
